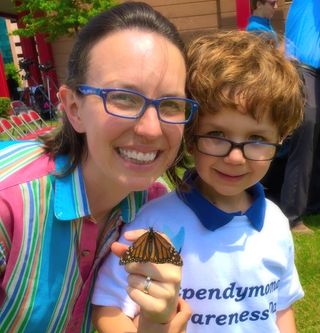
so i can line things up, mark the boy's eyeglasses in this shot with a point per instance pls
(125, 103)
(221, 147)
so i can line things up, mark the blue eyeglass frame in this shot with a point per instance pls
(88, 90)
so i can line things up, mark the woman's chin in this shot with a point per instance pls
(134, 184)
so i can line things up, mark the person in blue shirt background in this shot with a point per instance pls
(260, 20)
(299, 193)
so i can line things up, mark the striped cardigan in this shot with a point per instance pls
(49, 253)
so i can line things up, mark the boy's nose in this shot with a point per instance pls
(235, 156)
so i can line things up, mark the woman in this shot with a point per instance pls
(63, 202)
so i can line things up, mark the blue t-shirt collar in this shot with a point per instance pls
(212, 217)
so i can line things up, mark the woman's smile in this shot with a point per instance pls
(136, 156)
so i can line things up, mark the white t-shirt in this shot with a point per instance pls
(234, 277)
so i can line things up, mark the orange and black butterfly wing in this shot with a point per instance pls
(164, 252)
(151, 247)
(137, 252)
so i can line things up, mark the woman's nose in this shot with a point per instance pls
(149, 124)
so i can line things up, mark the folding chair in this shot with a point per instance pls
(18, 107)
(32, 126)
(22, 127)
(27, 122)
(38, 121)
(3, 130)
(12, 132)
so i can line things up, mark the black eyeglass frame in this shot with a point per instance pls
(103, 92)
(239, 145)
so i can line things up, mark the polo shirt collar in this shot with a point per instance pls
(71, 202)
(212, 217)
(261, 20)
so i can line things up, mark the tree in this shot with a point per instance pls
(56, 18)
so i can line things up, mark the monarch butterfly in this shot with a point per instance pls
(151, 247)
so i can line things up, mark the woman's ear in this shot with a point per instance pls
(70, 105)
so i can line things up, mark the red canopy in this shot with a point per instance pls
(4, 91)
(243, 13)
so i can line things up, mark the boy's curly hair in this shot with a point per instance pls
(237, 69)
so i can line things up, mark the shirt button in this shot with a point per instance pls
(85, 253)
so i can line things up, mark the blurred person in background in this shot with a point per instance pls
(262, 12)
(300, 192)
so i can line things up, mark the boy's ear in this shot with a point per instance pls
(70, 105)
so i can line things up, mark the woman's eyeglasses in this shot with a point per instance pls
(125, 103)
(221, 147)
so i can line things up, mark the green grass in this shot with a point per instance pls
(307, 249)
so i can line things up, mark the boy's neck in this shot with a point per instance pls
(229, 204)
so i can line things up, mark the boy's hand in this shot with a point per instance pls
(177, 325)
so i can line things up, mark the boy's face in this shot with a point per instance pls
(225, 179)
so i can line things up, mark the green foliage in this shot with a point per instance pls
(12, 71)
(57, 18)
(307, 248)
(4, 107)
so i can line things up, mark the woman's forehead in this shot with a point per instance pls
(131, 40)
(133, 56)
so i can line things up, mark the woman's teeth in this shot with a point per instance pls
(137, 156)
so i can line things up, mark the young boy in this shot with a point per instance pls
(239, 273)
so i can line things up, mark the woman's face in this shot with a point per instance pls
(129, 154)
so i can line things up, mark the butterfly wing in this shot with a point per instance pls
(151, 247)
(164, 252)
(137, 252)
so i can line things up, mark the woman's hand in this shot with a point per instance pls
(158, 299)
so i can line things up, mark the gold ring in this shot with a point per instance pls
(147, 284)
